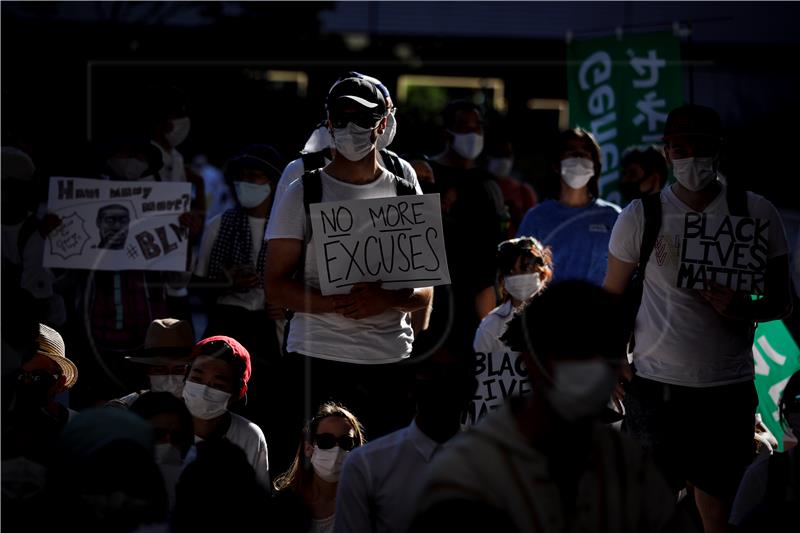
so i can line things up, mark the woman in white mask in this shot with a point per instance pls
(217, 380)
(573, 220)
(307, 491)
(524, 268)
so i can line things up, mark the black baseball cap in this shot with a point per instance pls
(355, 100)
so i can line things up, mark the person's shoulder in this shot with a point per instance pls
(243, 426)
(757, 202)
(380, 445)
(605, 205)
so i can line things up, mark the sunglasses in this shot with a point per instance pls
(326, 441)
(365, 119)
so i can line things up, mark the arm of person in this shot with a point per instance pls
(775, 304)
(369, 299)
(353, 498)
(282, 261)
(421, 318)
(485, 301)
(618, 275)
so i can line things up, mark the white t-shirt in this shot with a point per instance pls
(680, 338)
(499, 370)
(250, 438)
(295, 170)
(382, 338)
(252, 300)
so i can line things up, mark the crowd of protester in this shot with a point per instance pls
(236, 395)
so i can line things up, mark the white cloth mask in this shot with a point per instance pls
(500, 167)
(467, 145)
(167, 453)
(251, 194)
(577, 171)
(694, 173)
(353, 142)
(388, 136)
(522, 287)
(580, 388)
(127, 168)
(204, 402)
(328, 463)
(179, 132)
(171, 383)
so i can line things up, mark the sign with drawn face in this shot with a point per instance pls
(730, 251)
(117, 225)
(397, 240)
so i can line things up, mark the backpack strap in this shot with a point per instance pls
(652, 224)
(392, 162)
(312, 194)
(315, 160)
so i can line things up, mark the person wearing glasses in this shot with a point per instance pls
(525, 267)
(305, 499)
(347, 341)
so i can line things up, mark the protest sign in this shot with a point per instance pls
(397, 240)
(728, 250)
(621, 89)
(499, 375)
(776, 358)
(117, 225)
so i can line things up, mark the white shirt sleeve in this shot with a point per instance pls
(626, 237)
(207, 244)
(288, 219)
(353, 497)
(760, 207)
(483, 342)
(291, 173)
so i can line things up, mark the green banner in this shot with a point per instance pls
(777, 357)
(621, 90)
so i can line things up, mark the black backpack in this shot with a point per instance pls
(315, 160)
(632, 297)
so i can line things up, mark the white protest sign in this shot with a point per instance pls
(728, 250)
(500, 375)
(117, 225)
(397, 240)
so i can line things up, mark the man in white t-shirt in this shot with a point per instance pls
(369, 326)
(692, 357)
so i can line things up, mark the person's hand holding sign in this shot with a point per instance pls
(365, 300)
(243, 278)
(721, 298)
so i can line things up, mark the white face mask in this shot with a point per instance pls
(388, 135)
(500, 167)
(694, 173)
(328, 463)
(522, 286)
(171, 383)
(467, 145)
(353, 142)
(179, 132)
(251, 194)
(127, 168)
(580, 388)
(204, 402)
(576, 172)
(167, 454)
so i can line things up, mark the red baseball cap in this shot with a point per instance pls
(219, 346)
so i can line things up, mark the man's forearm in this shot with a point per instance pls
(298, 297)
(762, 310)
(409, 300)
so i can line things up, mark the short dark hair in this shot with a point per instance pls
(102, 210)
(151, 404)
(261, 157)
(452, 108)
(569, 319)
(651, 159)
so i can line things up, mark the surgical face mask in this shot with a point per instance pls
(580, 388)
(577, 171)
(694, 173)
(171, 383)
(500, 167)
(522, 287)
(353, 142)
(328, 463)
(127, 168)
(388, 135)
(204, 402)
(179, 132)
(467, 145)
(167, 453)
(251, 194)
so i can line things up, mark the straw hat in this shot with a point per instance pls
(51, 345)
(168, 341)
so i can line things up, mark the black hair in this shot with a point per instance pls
(261, 157)
(151, 404)
(651, 159)
(569, 319)
(551, 187)
(452, 108)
